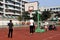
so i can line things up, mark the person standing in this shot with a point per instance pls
(46, 25)
(31, 25)
(10, 29)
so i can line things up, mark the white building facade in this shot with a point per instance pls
(11, 9)
(55, 8)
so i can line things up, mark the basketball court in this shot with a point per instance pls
(22, 33)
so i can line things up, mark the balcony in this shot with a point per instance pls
(16, 5)
(13, 17)
(1, 7)
(17, 1)
(1, 12)
(9, 13)
(11, 8)
(1, 2)
(9, 4)
(17, 9)
(17, 14)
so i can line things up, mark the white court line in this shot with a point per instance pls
(51, 37)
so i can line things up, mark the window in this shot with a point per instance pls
(56, 8)
(53, 8)
(50, 9)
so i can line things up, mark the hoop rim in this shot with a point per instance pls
(31, 8)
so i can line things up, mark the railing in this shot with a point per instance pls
(9, 12)
(17, 9)
(1, 2)
(16, 5)
(10, 4)
(9, 8)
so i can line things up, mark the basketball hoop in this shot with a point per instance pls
(30, 9)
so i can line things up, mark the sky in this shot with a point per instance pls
(47, 3)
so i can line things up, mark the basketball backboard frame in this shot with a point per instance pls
(34, 4)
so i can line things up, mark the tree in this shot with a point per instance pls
(46, 15)
(35, 17)
(25, 16)
(20, 18)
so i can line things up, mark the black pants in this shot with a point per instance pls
(10, 33)
(54, 28)
(32, 29)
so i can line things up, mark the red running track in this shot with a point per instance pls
(23, 34)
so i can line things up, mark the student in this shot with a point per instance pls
(31, 25)
(54, 27)
(46, 27)
(10, 29)
(50, 27)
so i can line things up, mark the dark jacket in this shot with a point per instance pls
(10, 25)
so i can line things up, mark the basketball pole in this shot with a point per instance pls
(38, 29)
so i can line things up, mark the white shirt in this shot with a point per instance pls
(46, 23)
(31, 22)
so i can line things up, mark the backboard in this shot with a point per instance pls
(31, 6)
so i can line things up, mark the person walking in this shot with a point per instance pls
(10, 29)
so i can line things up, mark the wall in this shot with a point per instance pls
(6, 22)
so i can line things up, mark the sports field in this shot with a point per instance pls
(22, 33)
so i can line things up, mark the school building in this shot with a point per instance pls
(11, 9)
